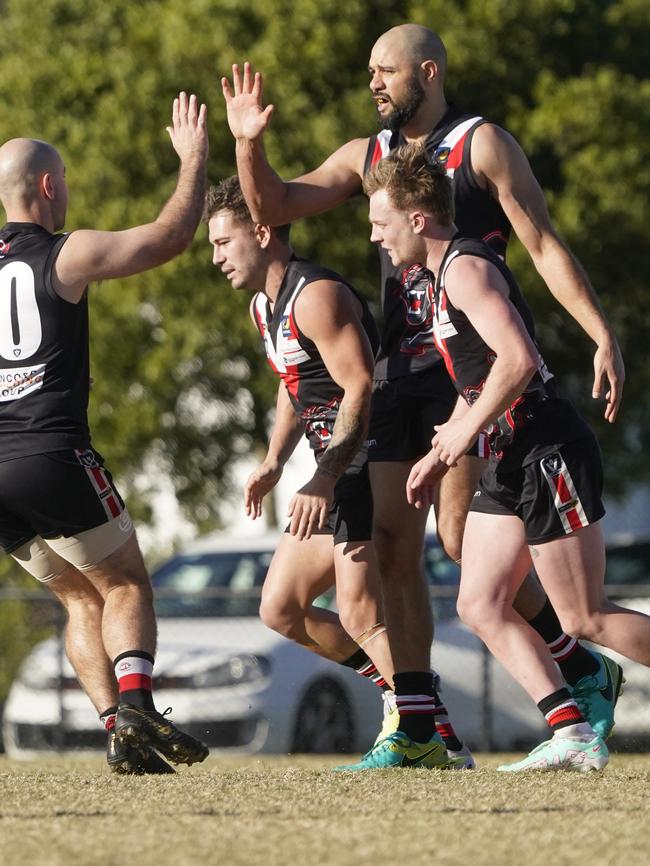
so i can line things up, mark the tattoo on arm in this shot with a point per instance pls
(347, 438)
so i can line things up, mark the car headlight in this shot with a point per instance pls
(233, 672)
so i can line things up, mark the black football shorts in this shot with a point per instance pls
(350, 518)
(58, 493)
(404, 412)
(553, 495)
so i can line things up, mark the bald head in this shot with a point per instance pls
(23, 163)
(415, 44)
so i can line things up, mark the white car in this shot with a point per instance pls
(239, 686)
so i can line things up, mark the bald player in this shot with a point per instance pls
(494, 191)
(61, 516)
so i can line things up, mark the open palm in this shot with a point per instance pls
(246, 116)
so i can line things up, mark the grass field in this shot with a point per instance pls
(280, 811)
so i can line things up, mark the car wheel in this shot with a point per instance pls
(324, 722)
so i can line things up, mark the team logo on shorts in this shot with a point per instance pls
(87, 458)
(552, 464)
(565, 497)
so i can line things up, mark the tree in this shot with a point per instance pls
(180, 382)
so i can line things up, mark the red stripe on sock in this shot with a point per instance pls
(134, 681)
(565, 714)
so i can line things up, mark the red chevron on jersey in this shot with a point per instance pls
(449, 152)
(382, 147)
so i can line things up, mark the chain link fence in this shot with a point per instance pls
(477, 686)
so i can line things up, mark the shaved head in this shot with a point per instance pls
(415, 44)
(23, 162)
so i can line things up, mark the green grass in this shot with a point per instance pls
(279, 811)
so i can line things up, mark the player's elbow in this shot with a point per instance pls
(525, 366)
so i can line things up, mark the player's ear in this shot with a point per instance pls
(417, 222)
(263, 235)
(429, 70)
(47, 186)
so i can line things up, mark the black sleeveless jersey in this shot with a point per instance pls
(314, 395)
(468, 360)
(406, 341)
(44, 368)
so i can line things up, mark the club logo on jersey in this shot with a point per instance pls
(415, 294)
(441, 155)
(286, 326)
(321, 430)
(4, 248)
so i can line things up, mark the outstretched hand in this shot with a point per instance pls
(246, 117)
(188, 132)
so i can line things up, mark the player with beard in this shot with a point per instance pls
(494, 189)
(61, 517)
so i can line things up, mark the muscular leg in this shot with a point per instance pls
(572, 570)
(358, 596)
(455, 495)
(300, 571)
(398, 534)
(128, 621)
(495, 561)
(453, 502)
(83, 637)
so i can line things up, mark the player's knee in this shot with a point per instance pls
(474, 612)
(279, 616)
(583, 625)
(355, 613)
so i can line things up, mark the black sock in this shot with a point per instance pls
(574, 661)
(414, 696)
(364, 665)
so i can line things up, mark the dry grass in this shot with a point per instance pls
(284, 811)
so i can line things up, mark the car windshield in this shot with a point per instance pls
(228, 584)
(211, 584)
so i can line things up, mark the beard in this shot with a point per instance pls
(404, 111)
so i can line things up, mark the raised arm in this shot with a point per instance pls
(286, 433)
(269, 198)
(88, 255)
(330, 315)
(500, 162)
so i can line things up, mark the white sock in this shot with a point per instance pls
(581, 731)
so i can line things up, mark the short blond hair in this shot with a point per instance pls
(412, 181)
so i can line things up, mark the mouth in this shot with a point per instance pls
(381, 101)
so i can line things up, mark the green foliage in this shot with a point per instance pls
(180, 384)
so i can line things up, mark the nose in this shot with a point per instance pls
(375, 235)
(376, 82)
(217, 256)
